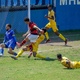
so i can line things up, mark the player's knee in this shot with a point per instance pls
(24, 49)
(44, 29)
(2, 45)
(56, 33)
(34, 54)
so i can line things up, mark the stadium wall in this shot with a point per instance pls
(16, 19)
(68, 14)
(67, 17)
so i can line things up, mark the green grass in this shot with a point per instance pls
(30, 69)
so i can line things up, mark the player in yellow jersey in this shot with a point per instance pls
(68, 63)
(52, 24)
(33, 48)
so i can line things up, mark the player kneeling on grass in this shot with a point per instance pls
(9, 41)
(68, 63)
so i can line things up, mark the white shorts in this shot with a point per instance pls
(32, 37)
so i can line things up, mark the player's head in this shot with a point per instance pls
(59, 57)
(26, 20)
(8, 27)
(49, 7)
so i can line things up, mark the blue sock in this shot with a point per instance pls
(1, 51)
(14, 53)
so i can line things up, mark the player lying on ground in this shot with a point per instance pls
(9, 41)
(33, 48)
(68, 63)
(52, 24)
(32, 33)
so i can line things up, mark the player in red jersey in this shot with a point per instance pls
(32, 33)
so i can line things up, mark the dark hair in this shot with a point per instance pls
(26, 19)
(9, 25)
(59, 56)
(49, 5)
(44, 30)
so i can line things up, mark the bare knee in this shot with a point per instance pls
(2, 45)
(57, 33)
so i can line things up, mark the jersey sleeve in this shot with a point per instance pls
(13, 35)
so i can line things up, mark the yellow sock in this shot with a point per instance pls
(39, 56)
(62, 37)
(19, 53)
(47, 36)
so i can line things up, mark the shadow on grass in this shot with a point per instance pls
(49, 59)
(51, 44)
(68, 69)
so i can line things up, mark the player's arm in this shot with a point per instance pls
(35, 27)
(68, 62)
(13, 35)
(52, 17)
(26, 33)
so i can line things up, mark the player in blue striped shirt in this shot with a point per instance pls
(9, 41)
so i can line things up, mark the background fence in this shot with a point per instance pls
(67, 14)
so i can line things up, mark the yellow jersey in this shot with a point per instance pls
(73, 64)
(50, 14)
(64, 62)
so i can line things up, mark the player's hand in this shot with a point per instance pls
(24, 35)
(42, 32)
(18, 45)
(46, 16)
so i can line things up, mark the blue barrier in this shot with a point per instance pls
(16, 19)
(24, 2)
(68, 14)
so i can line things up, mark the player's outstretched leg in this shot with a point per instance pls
(10, 51)
(22, 43)
(47, 37)
(19, 54)
(61, 37)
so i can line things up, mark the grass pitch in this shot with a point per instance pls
(30, 69)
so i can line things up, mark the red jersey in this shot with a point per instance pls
(32, 29)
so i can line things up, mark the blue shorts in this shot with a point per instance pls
(10, 44)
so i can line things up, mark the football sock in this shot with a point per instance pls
(39, 56)
(23, 42)
(62, 37)
(30, 46)
(1, 51)
(14, 53)
(19, 53)
(47, 36)
(30, 55)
